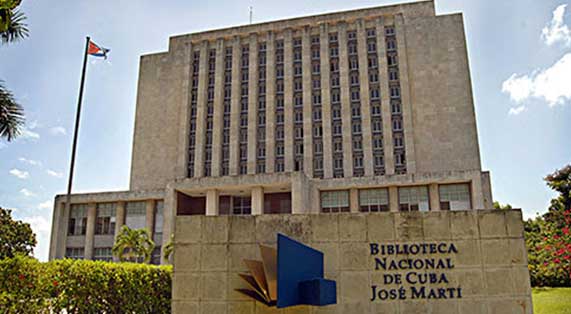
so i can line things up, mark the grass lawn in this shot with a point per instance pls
(552, 300)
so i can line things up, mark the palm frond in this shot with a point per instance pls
(16, 30)
(11, 115)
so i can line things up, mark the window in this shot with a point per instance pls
(357, 144)
(395, 108)
(398, 141)
(102, 254)
(392, 60)
(455, 196)
(399, 158)
(376, 109)
(279, 150)
(317, 114)
(159, 207)
(378, 161)
(358, 162)
(374, 77)
(156, 255)
(74, 252)
(393, 75)
(391, 45)
(334, 201)
(135, 215)
(105, 221)
(77, 223)
(395, 92)
(371, 47)
(241, 205)
(374, 200)
(373, 63)
(338, 163)
(414, 198)
(371, 33)
(318, 147)
(397, 125)
(375, 94)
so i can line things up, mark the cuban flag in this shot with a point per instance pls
(95, 50)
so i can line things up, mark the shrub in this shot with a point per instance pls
(28, 286)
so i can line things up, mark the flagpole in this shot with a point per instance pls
(76, 130)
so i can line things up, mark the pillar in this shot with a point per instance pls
(235, 108)
(212, 199)
(90, 231)
(326, 101)
(434, 197)
(405, 95)
(354, 200)
(201, 111)
(218, 110)
(119, 221)
(252, 104)
(389, 155)
(365, 99)
(169, 218)
(288, 101)
(270, 103)
(345, 102)
(307, 103)
(299, 194)
(393, 199)
(150, 216)
(257, 200)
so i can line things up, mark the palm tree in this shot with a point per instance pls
(133, 245)
(12, 29)
(11, 115)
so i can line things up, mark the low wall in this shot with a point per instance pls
(435, 262)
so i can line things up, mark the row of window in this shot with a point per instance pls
(106, 254)
(416, 198)
(106, 218)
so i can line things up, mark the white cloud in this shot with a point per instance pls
(551, 84)
(517, 110)
(54, 173)
(27, 192)
(29, 134)
(557, 30)
(46, 205)
(30, 161)
(41, 227)
(20, 173)
(58, 130)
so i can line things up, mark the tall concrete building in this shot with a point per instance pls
(357, 111)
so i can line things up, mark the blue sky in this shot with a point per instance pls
(520, 59)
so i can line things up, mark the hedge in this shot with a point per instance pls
(77, 286)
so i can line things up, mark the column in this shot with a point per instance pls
(252, 103)
(326, 101)
(434, 197)
(150, 216)
(90, 231)
(184, 118)
(365, 99)
(201, 111)
(59, 231)
(235, 108)
(270, 103)
(218, 110)
(299, 193)
(288, 101)
(345, 102)
(405, 95)
(119, 222)
(169, 217)
(385, 99)
(257, 200)
(393, 199)
(307, 103)
(354, 200)
(212, 199)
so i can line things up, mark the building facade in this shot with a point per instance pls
(368, 110)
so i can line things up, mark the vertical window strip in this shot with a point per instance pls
(279, 99)
(316, 107)
(261, 118)
(375, 99)
(193, 111)
(336, 120)
(226, 120)
(395, 99)
(209, 112)
(355, 103)
(243, 146)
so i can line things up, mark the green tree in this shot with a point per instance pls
(559, 181)
(16, 237)
(497, 205)
(12, 29)
(133, 245)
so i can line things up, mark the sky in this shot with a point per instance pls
(520, 61)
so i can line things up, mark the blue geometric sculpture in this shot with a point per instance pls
(291, 275)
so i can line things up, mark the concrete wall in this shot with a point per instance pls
(162, 104)
(490, 266)
(443, 117)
